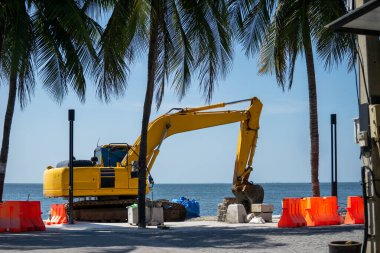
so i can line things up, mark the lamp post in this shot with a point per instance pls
(334, 159)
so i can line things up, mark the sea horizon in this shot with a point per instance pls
(231, 183)
(209, 195)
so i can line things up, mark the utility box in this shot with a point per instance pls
(154, 216)
(264, 211)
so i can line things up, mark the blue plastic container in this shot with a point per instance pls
(192, 206)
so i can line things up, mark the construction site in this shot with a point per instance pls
(103, 198)
(106, 201)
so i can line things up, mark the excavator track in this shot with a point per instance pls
(116, 210)
(103, 203)
(102, 210)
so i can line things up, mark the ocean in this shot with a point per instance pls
(208, 195)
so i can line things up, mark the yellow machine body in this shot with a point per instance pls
(87, 182)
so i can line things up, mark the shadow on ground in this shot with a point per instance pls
(129, 239)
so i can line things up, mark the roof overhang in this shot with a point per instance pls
(363, 20)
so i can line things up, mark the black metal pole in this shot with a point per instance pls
(332, 153)
(336, 159)
(71, 158)
(334, 178)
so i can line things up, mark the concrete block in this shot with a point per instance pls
(154, 215)
(266, 216)
(236, 214)
(132, 215)
(262, 208)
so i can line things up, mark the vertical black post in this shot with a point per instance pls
(334, 160)
(71, 158)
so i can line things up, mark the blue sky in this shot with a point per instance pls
(40, 133)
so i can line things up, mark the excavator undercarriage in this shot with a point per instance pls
(115, 210)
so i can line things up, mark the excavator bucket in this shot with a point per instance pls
(248, 194)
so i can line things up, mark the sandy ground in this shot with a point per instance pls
(189, 236)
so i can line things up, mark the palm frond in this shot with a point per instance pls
(282, 43)
(18, 49)
(250, 21)
(182, 57)
(208, 33)
(165, 51)
(128, 22)
(282, 39)
(194, 37)
(97, 9)
(333, 48)
(65, 46)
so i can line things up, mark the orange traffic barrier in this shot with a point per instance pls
(35, 215)
(2, 217)
(291, 214)
(13, 217)
(57, 214)
(320, 211)
(355, 210)
(20, 216)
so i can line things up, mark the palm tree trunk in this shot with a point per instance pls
(313, 114)
(152, 63)
(7, 131)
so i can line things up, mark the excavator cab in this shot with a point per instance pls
(109, 155)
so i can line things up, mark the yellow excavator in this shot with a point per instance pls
(110, 180)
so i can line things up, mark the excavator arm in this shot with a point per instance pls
(190, 119)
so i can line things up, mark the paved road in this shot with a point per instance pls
(200, 236)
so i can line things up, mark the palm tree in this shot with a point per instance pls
(55, 38)
(182, 38)
(296, 27)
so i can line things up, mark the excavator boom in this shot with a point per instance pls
(191, 119)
